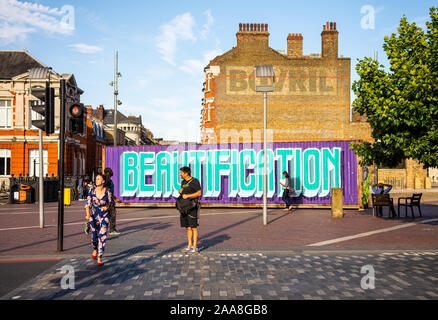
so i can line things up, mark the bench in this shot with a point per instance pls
(383, 200)
(410, 202)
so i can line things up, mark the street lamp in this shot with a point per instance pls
(117, 102)
(264, 72)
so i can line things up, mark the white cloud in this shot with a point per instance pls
(195, 67)
(10, 33)
(18, 19)
(192, 66)
(207, 26)
(180, 28)
(85, 48)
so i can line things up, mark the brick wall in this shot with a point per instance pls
(311, 101)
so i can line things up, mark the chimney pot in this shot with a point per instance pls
(266, 27)
(334, 25)
(331, 25)
(327, 26)
(240, 27)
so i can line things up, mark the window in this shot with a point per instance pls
(34, 162)
(208, 84)
(5, 162)
(5, 114)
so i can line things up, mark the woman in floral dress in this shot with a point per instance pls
(98, 201)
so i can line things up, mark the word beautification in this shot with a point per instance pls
(230, 172)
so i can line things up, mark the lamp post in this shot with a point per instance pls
(117, 102)
(266, 71)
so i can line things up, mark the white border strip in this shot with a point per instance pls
(129, 219)
(366, 234)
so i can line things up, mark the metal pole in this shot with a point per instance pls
(61, 165)
(265, 180)
(115, 97)
(41, 177)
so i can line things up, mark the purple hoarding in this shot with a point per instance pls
(233, 173)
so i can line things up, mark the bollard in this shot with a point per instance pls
(67, 196)
(337, 203)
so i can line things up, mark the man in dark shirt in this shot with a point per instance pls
(112, 208)
(190, 189)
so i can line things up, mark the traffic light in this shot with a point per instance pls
(45, 107)
(76, 118)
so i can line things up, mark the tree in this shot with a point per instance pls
(401, 105)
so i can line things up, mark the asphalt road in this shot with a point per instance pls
(14, 273)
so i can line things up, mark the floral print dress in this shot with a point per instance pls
(99, 219)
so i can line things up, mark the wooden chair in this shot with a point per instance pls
(383, 200)
(410, 202)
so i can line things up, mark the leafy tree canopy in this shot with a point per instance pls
(401, 105)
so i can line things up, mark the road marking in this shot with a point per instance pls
(366, 234)
(120, 220)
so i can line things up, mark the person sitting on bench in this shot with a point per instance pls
(379, 188)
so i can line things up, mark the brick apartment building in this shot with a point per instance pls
(306, 85)
(311, 101)
(18, 138)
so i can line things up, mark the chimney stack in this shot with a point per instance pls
(101, 112)
(252, 35)
(89, 110)
(329, 41)
(295, 45)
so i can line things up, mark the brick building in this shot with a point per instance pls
(131, 130)
(18, 138)
(96, 141)
(311, 101)
(306, 85)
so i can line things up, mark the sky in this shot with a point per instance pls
(163, 46)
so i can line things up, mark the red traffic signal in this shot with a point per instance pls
(76, 118)
(76, 110)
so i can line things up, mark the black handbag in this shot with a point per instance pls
(185, 205)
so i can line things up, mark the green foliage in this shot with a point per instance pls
(401, 105)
